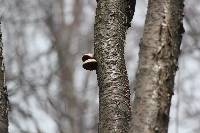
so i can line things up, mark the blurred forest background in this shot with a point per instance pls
(50, 92)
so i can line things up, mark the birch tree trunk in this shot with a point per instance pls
(3, 93)
(112, 20)
(158, 62)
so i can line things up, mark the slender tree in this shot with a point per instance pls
(158, 62)
(63, 36)
(3, 93)
(112, 19)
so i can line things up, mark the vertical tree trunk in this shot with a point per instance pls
(3, 93)
(158, 59)
(112, 20)
(68, 118)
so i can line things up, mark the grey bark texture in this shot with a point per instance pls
(112, 19)
(158, 62)
(3, 93)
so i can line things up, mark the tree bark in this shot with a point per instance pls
(158, 62)
(3, 93)
(112, 19)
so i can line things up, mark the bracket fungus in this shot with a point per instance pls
(89, 63)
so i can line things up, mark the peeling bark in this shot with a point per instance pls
(112, 20)
(3, 93)
(158, 62)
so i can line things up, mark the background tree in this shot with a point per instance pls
(51, 91)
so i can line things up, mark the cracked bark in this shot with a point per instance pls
(158, 62)
(3, 93)
(111, 22)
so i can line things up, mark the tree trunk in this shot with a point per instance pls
(3, 93)
(158, 59)
(68, 118)
(112, 20)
